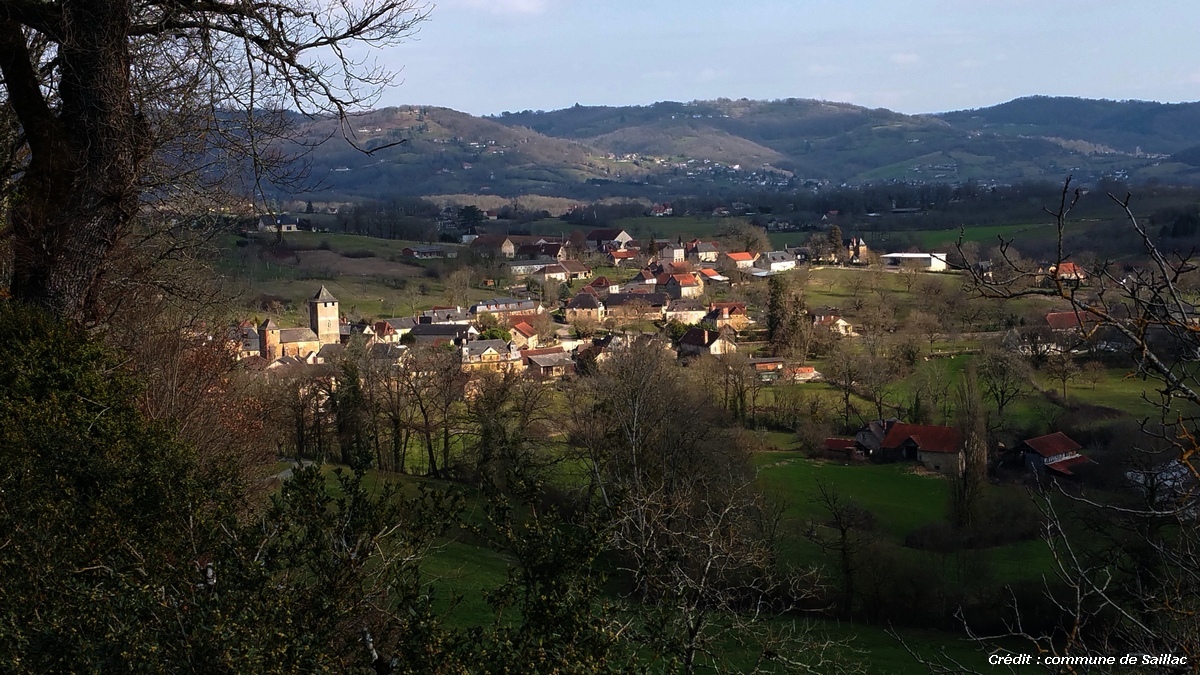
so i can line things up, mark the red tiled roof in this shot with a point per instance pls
(1069, 269)
(1053, 444)
(801, 370)
(600, 282)
(1064, 467)
(928, 438)
(740, 256)
(524, 329)
(839, 444)
(526, 353)
(619, 255)
(575, 267)
(1062, 320)
(514, 319)
(733, 307)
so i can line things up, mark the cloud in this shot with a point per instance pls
(905, 59)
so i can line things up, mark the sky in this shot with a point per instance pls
(911, 56)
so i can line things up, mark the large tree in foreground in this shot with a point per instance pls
(107, 102)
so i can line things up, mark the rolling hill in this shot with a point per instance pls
(673, 148)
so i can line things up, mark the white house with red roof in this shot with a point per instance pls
(742, 259)
(1055, 453)
(524, 336)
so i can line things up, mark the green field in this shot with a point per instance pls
(462, 571)
(984, 234)
(902, 500)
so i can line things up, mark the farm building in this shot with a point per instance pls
(929, 262)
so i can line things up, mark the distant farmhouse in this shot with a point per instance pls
(278, 223)
(928, 262)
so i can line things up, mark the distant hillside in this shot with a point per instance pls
(1158, 128)
(445, 151)
(707, 147)
(1024, 139)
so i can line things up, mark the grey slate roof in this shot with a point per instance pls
(330, 352)
(247, 336)
(584, 301)
(478, 347)
(297, 335)
(651, 299)
(552, 360)
(324, 295)
(504, 305)
(439, 330)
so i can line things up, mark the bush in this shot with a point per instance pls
(938, 537)
(359, 253)
(1006, 516)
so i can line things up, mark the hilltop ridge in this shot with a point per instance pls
(700, 147)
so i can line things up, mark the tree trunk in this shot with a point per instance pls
(397, 448)
(79, 192)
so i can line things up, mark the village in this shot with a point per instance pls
(676, 294)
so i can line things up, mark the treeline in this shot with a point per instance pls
(409, 218)
(128, 547)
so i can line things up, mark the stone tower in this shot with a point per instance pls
(323, 317)
(268, 336)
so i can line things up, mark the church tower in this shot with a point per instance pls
(268, 340)
(323, 317)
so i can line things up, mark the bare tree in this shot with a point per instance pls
(1129, 587)
(878, 374)
(458, 287)
(433, 382)
(927, 325)
(693, 535)
(1061, 367)
(1005, 377)
(846, 532)
(844, 370)
(509, 426)
(966, 490)
(386, 380)
(120, 102)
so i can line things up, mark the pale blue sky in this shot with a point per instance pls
(487, 56)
